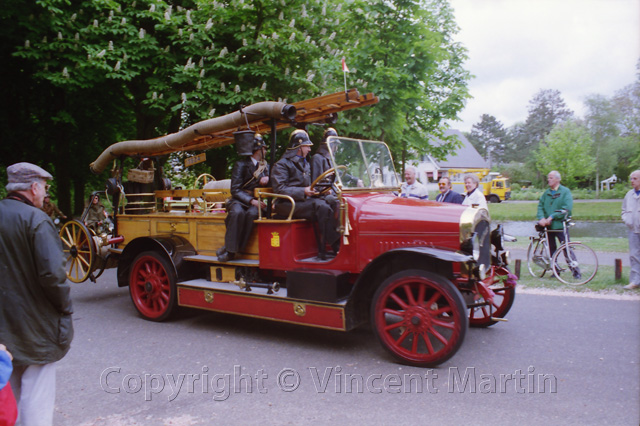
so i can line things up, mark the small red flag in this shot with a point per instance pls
(344, 66)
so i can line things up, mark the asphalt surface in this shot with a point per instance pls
(558, 361)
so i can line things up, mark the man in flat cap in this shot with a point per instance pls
(35, 313)
(291, 176)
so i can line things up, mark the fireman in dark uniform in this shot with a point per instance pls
(321, 160)
(242, 209)
(291, 176)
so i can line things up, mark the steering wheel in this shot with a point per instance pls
(326, 181)
(206, 177)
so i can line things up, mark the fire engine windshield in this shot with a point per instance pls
(363, 164)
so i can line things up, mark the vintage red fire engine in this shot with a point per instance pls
(419, 271)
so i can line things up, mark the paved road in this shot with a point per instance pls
(122, 370)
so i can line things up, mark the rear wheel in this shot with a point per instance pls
(493, 198)
(575, 264)
(419, 317)
(152, 285)
(537, 260)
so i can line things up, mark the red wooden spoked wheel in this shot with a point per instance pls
(480, 314)
(152, 285)
(419, 317)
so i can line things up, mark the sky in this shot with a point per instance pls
(518, 47)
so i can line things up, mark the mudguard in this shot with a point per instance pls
(173, 247)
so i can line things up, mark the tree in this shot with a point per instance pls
(404, 52)
(488, 137)
(602, 122)
(101, 71)
(546, 110)
(567, 149)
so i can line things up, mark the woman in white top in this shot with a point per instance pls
(473, 197)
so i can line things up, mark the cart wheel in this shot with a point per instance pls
(152, 285)
(419, 317)
(205, 178)
(480, 316)
(79, 249)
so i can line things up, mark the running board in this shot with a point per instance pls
(257, 303)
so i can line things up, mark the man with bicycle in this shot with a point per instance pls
(555, 205)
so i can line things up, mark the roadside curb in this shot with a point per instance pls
(585, 294)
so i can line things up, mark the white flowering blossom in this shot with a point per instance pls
(101, 53)
(306, 40)
(286, 71)
(77, 36)
(209, 25)
(332, 36)
(27, 44)
(183, 97)
(264, 86)
(154, 96)
(236, 89)
(117, 66)
(141, 33)
(110, 48)
(202, 73)
(212, 112)
(201, 63)
(292, 23)
(95, 23)
(223, 87)
(199, 85)
(152, 8)
(124, 21)
(292, 37)
(189, 21)
(65, 72)
(274, 36)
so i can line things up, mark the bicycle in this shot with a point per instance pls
(573, 262)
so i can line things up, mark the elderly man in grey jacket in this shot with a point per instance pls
(35, 312)
(631, 218)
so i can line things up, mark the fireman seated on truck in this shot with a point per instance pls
(291, 176)
(242, 209)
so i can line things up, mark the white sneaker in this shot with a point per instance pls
(631, 286)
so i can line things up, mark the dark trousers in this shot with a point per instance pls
(317, 210)
(239, 223)
(553, 234)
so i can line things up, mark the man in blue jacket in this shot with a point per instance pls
(35, 312)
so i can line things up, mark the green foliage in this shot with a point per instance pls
(567, 150)
(82, 75)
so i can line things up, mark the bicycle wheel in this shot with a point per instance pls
(537, 260)
(574, 264)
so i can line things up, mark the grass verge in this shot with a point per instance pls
(604, 281)
(600, 211)
(620, 245)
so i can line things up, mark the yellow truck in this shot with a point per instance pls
(495, 187)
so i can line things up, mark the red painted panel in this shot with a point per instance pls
(264, 307)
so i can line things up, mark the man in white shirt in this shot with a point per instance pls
(412, 188)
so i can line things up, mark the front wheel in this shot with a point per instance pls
(537, 260)
(152, 286)
(419, 317)
(575, 264)
(482, 310)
